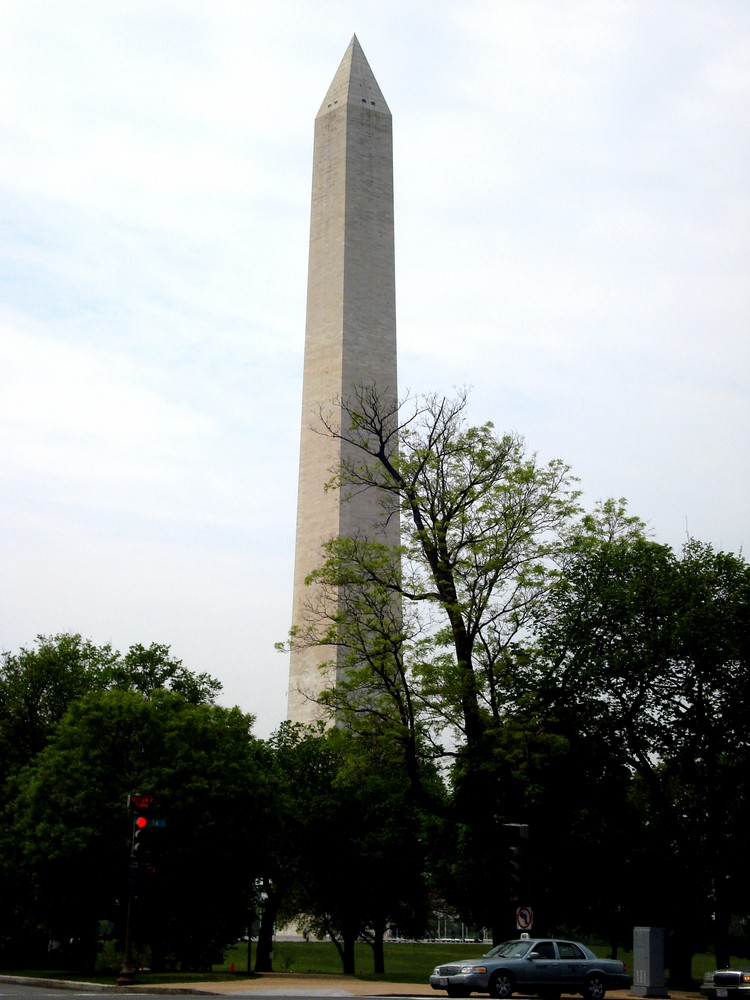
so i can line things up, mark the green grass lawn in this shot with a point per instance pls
(408, 962)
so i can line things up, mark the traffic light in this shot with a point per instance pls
(517, 839)
(140, 825)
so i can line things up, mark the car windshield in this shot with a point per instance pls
(509, 949)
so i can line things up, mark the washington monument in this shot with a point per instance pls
(350, 334)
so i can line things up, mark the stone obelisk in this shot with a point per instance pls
(350, 334)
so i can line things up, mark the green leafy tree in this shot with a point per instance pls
(348, 858)
(480, 522)
(650, 649)
(37, 686)
(298, 769)
(434, 632)
(71, 829)
(386, 839)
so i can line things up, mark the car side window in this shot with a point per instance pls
(545, 949)
(568, 950)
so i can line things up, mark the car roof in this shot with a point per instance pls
(534, 939)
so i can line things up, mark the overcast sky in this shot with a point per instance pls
(572, 240)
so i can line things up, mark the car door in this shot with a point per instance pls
(542, 970)
(573, 965)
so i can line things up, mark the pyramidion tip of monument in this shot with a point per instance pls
(354, 83)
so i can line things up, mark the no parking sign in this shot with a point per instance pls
(524, 918)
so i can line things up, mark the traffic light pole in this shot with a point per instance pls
(127, 972)
(142, 821)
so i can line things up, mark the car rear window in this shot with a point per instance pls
(569, 950)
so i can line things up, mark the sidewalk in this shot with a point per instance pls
(289, 984)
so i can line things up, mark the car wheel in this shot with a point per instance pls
(594, 988)
(502, 985)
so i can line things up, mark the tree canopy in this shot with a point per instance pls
(38, 684)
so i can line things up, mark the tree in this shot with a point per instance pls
(384, 864)
(434, 631)
(348, 859)
(297, 767)
(651, 649)
(480, 521)
(69, 827)
(37, 686)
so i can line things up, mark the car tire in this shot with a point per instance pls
(594, 988)
(502, 985)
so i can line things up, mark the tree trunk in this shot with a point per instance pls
(264, 950)
(378, 951)
(348, 954)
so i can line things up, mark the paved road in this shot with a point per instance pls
(250, 988)
(267, 987)
(17, 991)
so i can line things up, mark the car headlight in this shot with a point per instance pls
(745, 978)
(472, 968)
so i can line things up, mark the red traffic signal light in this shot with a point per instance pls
(139, 832)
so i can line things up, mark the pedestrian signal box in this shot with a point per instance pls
(141, 802)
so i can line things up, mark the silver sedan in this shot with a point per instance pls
(544, 966)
